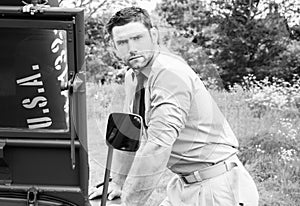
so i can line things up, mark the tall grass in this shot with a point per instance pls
(269, 136)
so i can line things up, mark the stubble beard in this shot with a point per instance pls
(138, 64)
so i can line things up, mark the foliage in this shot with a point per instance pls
(197, 59)
(235, 36)
(287, 62)
(95, 7)
(187, 16)
(274, 162)
(104, 99)
(245, 47)
(224, 42)
(295, 32)
(269, 144)
(193, 54)
(265, 116)
(272, 155)
(272, 94)
(289, 9)
(102, 65)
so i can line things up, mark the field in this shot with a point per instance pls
(265, 118)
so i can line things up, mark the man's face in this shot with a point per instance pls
(134, 44)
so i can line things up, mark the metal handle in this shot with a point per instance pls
(106, 176)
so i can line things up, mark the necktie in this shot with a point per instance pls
(139, 98)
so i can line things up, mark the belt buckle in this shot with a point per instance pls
(198, 176)
(195, 176)
(185, 180)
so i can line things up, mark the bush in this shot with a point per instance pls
(104, 99)
(265, 117)
(272, 94)
(274, 161)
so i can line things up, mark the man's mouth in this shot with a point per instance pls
(134, 57)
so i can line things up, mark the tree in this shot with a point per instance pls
(238, 36)
(188, 17)
(95, 7)
(295, 32)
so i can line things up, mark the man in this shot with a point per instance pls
(185, 130)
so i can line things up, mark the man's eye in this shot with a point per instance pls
(122, 42)
(136, 37)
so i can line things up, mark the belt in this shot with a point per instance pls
(209, 172)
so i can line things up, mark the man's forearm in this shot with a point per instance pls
(146, 171)
(122, 162)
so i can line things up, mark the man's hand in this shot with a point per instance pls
(114, 191)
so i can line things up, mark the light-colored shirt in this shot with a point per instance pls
(181, 113)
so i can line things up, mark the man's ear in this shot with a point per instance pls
(113, 47)
(114, 50)
(112, 44)
(155, 35)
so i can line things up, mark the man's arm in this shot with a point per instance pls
(121, 165)
(149, 165)
(122, 162)
(170, 103)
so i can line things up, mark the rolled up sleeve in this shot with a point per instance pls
(170, 99)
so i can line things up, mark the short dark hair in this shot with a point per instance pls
(127, 15)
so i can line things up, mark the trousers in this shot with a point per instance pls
(232, 188)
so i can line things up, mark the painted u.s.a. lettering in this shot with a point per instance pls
(39, 101)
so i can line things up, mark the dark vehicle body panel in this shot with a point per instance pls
(43, 137)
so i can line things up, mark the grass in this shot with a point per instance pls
(269, 143)
(100, 102)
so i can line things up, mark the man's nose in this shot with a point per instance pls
(132, 48)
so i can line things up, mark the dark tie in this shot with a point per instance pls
(139, 98)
